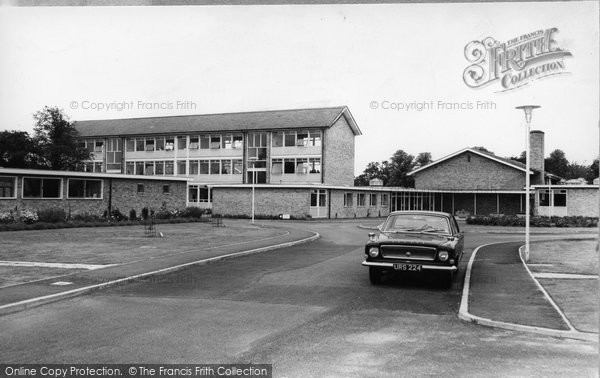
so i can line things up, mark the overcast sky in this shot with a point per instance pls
(245, 58)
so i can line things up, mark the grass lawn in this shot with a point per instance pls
(578, 298)
(115, 245)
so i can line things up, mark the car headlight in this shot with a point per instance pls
(443, 256)
(373, 251)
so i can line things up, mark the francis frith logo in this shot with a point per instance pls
(514, 63)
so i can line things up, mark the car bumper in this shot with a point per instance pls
(423, 266)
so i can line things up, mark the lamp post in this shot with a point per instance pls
(528, 109)
(253, 161)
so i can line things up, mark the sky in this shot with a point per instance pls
(126, 62)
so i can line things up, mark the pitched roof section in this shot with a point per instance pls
(262, 120)
(511, 163)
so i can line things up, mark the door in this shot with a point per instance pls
(318, 203)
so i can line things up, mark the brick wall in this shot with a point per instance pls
(582, 202)
(338, 154)
(267, 201)
(478, 173)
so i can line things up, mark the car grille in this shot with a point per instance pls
(408, 252)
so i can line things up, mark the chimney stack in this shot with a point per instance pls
(536, 154)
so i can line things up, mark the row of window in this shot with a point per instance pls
(51, 188)
(169, 143)
(292, 138)
(185, 167)
(556, 198)
(295, 166)
(361, 199)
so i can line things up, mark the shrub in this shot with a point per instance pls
(145, 213)
(132, 214)
(28, 216)
(86, 217)
(192, 212)
(52, 215)
(511, 220)
(8, 217)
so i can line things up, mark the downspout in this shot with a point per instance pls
(109, 196)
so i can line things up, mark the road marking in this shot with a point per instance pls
(567, 276)
(61, 283)
(36, 264)
(463, 312)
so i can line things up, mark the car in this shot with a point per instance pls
(415, 241)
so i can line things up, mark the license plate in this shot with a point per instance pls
(408, 267)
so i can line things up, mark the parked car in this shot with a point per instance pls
(415, 241)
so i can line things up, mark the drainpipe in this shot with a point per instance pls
(109, 196)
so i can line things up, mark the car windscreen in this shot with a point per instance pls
(417, 223)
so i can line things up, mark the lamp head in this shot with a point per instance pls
(528, 109)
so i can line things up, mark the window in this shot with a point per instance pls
(237, 167)
(139, 144)
(227, 142)
(226, 167)
(276, 166)
(149, 168)
(169, 144)
(149, 146)
(385, 199)
(544, 197)
(302, 166)
(315, 138)
(215, 167)
(97, 167)
(277, 140)
(314, 165)
(169, 168)
(204, 142)
(302, 139)
(193, 167)
(290, 139)
(215, 141)
(257, 149)
(114, 154)
(360, 199)
(160, 144)
(193, 193)
(159, 168)
(204, 167)
(130, 145)
(289, 166)
(194, 143)
(140, 188)
(78, 188)
(238, 141)
(41, 187)
(181, 165)
(139, 167)
(373, 199)
(181, 143)
(348, 200)
(560, 198)
(7, 187)
(99, 146)
(129, 168)
(204, 195)
(166, 188)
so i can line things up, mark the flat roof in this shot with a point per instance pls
(358, 188)
(43, 172)
(566, 186)
(233, 122)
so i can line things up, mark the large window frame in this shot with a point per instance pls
(42, 179)
(85, 188)
(5, 187)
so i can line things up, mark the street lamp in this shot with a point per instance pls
(253, 161)
(528, 109)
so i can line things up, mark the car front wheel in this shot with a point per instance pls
(374, 275)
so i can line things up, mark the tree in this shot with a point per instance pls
(401, 163)
(521, 158)
(483, 149)
(373, 170)
(557, 164)
(56, 140)
(422, 159)
(16, 150)
(592, 172)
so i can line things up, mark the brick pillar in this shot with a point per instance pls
(536, 153)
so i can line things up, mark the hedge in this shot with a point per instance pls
(515, 221)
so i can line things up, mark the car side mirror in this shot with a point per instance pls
(372, 236)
